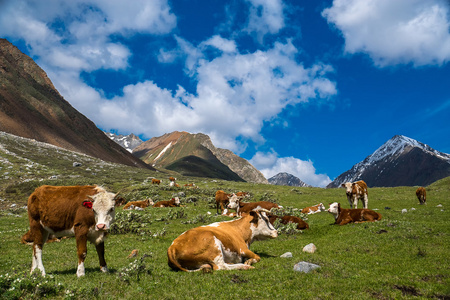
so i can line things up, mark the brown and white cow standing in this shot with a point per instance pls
(358, 215)
(356, 190)
(83, 211)
(221, 246)
(246, 207)
(421, 194)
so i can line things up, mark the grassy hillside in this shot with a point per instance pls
(403, 256)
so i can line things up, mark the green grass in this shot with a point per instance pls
(403, 256)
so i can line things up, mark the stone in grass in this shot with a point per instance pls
(305, 267)
(310, 248)
(287, 254)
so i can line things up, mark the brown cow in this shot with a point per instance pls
(84, 211)
(356, 190)
(172, 178)
(222, 199)
(344, 216)
(141, 204)
(245, 208)
(175, 202)
(156, 181)
(301, 225)
(314, 209)
(421, 194)
(222, 245)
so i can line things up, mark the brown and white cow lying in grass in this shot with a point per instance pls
(222, 245)
(301, 225)
(174, 202)
(84, 211)
(356, 190)
(246, 207)
(421, 194)
(141, 204)
(314, 209)
(357, 215)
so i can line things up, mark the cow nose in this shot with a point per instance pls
(101, 226)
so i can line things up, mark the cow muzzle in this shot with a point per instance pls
(101, 227)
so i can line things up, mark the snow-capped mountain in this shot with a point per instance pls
(399, 161)
(128, 142)
(284, 178)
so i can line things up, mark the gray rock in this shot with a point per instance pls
(286, 255)
(76, 164)
(404, 211)
(305, 267)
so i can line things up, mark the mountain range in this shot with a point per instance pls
(31, 107)
(401, 161)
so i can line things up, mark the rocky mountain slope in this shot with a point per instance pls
(31, 107)
(128, 142)
(287, 179)
(401, 161)
(178, 151)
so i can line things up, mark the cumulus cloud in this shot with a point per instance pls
(266, 17)
(394, 32)
(271, 164)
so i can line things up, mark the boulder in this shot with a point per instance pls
(305, 267)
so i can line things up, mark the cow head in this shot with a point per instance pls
(261, 227)
(321, 207)
(348, 187)
(177, 201)
(103, 208)
(233, 201)
(335, 209)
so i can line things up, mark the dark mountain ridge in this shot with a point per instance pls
(31, 107)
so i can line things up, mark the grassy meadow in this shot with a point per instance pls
(403, 256)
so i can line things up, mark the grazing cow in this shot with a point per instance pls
(356, 190)
(222, 199)
(222, 245)
(170, 203)
(84, 211)
(142, 204)
(172, 178)
(344, 216)
(314, 209)
(245, 208)
(156, 181)
(301, 225)
(421, 194)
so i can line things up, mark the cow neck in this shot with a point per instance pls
(240, 205)
(243, 225)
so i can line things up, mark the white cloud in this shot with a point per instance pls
(270, 164)
(266, 17)
(394, 32)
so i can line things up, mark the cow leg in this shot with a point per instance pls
(355, 202)
(365, 201)
(101, 256)
(350, 201)
(40, 236)
(81, 252)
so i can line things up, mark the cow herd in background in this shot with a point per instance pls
(87, 212)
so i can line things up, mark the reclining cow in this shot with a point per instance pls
(356, 190)
(314, 209)
(243, 208)
(174, 202)
(301, 225)
(357, 215)
(222, 245)
(84, 211)
(140, 204)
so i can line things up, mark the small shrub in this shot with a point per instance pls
(202, 218)
(131, 222)
(20, 286)
(174, 214)
(288, 229)
(134, 270)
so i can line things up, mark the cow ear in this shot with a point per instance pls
(254, 214)
(343, 185)
(87, 204)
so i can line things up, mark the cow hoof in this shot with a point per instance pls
(104, 269)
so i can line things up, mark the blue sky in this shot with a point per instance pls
(305, 87)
